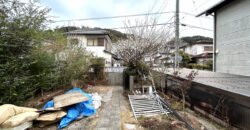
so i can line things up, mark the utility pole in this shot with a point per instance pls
(176, 63)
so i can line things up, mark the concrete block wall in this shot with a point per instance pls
(115, 78)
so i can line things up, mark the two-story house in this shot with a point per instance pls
(231, 36)
(200, 51)
(96, 41)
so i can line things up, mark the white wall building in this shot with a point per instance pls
(232, 36)
(96, 41)
(198, 47)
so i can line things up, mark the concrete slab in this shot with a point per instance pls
(110, 118)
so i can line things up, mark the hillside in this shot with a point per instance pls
(191, 39)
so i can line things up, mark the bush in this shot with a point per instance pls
(21, 81)
(186, 58)
(74, 65)
(198, 66)
(24, 69)
(210, 64)
(97, 64)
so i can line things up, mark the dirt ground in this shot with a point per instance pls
(127, 117)
(98, 89)
(168, 122)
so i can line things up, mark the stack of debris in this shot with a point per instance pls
(12, 116)
(74, 104)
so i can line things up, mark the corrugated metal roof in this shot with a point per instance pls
(217, 6)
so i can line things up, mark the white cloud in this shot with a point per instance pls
(78, 9)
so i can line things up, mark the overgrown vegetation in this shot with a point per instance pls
(97, 64)
(21, 29)
(34, 60)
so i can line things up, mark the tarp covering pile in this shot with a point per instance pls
(74, 111)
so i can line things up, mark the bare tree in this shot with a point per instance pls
(143, 38)
(186, 85)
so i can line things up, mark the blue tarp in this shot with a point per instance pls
(76, 110)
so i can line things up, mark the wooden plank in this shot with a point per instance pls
(69, 99)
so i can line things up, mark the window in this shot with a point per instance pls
(92, 42)
(100, 41)
(95, 42)
(208, 48)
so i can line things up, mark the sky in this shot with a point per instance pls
(80, 9)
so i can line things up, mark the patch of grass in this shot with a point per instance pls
(177, 105)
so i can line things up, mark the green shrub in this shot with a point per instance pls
(21, 80)
(98, 64)
(198, 66)
(210, 64)
(24, 69)
(74, 66)
(186, 58)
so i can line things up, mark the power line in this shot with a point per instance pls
(194, 15)
(192, 26)
(121, 16)
(197, 12)
(112, 17)
(200, 5)
(160, 24)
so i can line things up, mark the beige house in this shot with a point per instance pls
(96, 41)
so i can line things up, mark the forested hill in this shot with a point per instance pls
(114, 34)
(196, 38)
(191, 39)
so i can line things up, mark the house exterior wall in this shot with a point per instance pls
(233, 38)
(96, 50)
(197, 49)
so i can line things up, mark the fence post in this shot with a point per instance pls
(131, 82)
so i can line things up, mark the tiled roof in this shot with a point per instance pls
(88, 32)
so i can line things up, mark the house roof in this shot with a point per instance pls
(113, 55)
(198, 42)
(88, 32)
(215, 7)
(203, 55)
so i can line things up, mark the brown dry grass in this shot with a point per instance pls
(127, 117)
(161, 122)
(98, 89)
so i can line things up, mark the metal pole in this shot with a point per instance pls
(177, 35)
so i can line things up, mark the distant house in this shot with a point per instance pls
(96, 41)
(232, 36)
(200, 51)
